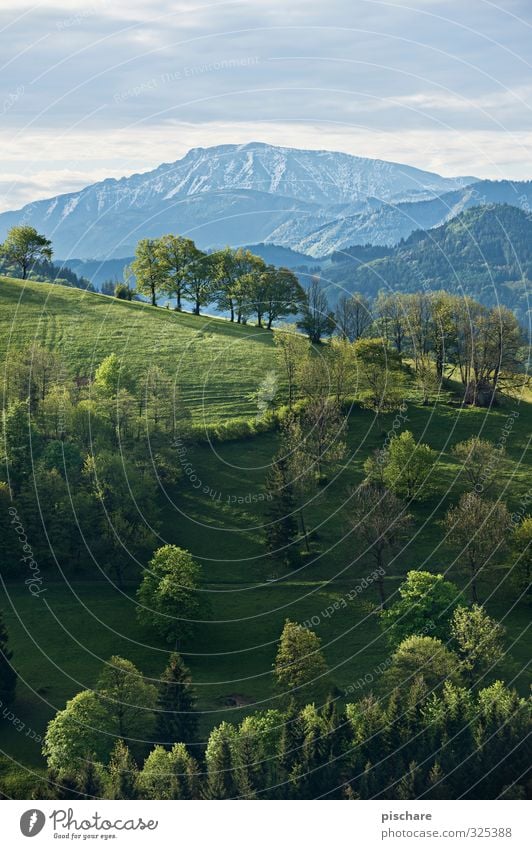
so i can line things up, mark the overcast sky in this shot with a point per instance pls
(96, 89)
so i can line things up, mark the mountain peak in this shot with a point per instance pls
(226, 194)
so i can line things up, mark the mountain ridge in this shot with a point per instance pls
(231, 194)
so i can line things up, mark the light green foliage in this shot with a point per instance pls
(422, 657)
(300, 666)
(112, 375)
(291, 350)
(128, 699)
(478, 528)
(170, 774)
(481, 461)
(169, 597)
(409, 467)
(148, 269)
(83, 730)
(122, 774)
(521, 557)
(426, 606)
(479, 640)
(379, 373)
(220, 759)
(24, 246)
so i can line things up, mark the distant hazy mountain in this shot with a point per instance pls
(388, 223)
(233, 194)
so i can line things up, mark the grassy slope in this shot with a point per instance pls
(212, 361)
(61, 640)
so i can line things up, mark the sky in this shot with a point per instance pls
(98, 89)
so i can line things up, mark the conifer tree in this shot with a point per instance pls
(177, 721)
(122, 773)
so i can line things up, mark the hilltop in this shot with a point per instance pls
(215, 364)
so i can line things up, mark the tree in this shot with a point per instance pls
(174, 254)
(291, 349)
(409, 467)
(11, 563)
(83, 731)
(426, 604)
(477, 527)
(426, 378)
(489, 351)
(8, 676)
(199, 281)
(124, 499)
(300, 472)
(24, 246)
(281, 528)
(380, 374)
(128, 700)
(341, 369)
(177, 720)
(169, 774)
(379, 519)
(392, 319)
(20, 446)
(317, 320)
(122, 774)
(300, 667)
(479, 640)
(324, 430)
(148, 269)
(283, 294)
(481, 461)
(219, 757)
(422, 657)
(229, 267)
(31, 374)
(443, 341)
(123, 292)
(169, 594)
(162, 406)
(353, 316)
(521, 557)
(113, 374)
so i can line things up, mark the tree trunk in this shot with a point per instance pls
(380, 580)
(474, 593)
(304, 529)
(153, 299)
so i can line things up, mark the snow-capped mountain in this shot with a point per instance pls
(228, 194)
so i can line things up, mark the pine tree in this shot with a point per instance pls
(90, 781)
(221, 770)
(122, 774)
(8, 676)
(177, 721)
(291, 743)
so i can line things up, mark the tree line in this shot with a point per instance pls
(434, 723)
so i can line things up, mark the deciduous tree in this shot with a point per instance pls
(478, 529)
(24, 246)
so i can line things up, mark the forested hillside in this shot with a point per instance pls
(485, 252)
